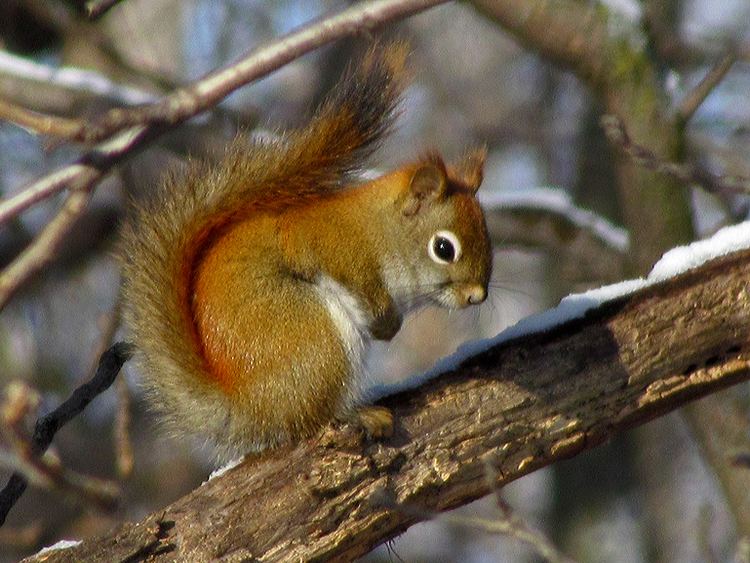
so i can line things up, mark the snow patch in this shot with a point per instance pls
(62, 544)
(683, 258)
(223, 469)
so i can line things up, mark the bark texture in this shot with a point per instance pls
(519, 406)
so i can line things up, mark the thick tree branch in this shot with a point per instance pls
(608, 54)
(518, 406)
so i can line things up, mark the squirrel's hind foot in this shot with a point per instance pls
(377, 422)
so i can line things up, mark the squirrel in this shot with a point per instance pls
(252, 287)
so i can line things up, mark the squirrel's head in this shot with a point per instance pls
(446, 229)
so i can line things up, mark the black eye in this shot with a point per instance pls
(444, 247)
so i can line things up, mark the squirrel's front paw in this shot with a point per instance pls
(377, 422)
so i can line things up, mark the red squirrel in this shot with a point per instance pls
(252, 287)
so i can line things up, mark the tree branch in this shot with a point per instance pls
(517, 406)
(686, 173)
(39, 123)
(47, 426)
(547, 219)
(33, 77)
(201, 95)
(698, 95)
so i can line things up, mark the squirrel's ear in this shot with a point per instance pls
(428, 182)
(468, 172)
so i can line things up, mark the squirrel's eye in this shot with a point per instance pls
(444, 247)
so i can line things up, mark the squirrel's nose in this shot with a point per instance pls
(476, 294)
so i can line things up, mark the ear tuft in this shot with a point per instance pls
(468, 172)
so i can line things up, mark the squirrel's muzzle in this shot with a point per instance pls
(475, 294)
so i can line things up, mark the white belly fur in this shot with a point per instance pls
(351, 322)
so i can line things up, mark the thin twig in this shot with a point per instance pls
(508, 524)
(124, 456)
(45, 470)
(65, 20)
(108, 325)
(43, 248)
(697, 95)
(39, 123)
(39, 190)
(206, 92)
(724, 185)
(82, 176)
(519, 529)
(47, 426)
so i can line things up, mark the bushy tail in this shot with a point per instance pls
(163, 241)
(345, 130)
(357, 114)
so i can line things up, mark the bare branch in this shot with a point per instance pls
(81, 177)
(517, 406)
(47, 426)
(519, 528)
(507, 524)
(123, 445)
(44, 247)
(688, 174)
(38, 191)
(45, 470)
(201, 95)
(71, 78)
(696, 97)
(37, 122)
(510, 525)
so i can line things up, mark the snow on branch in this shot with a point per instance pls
(71, 78)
